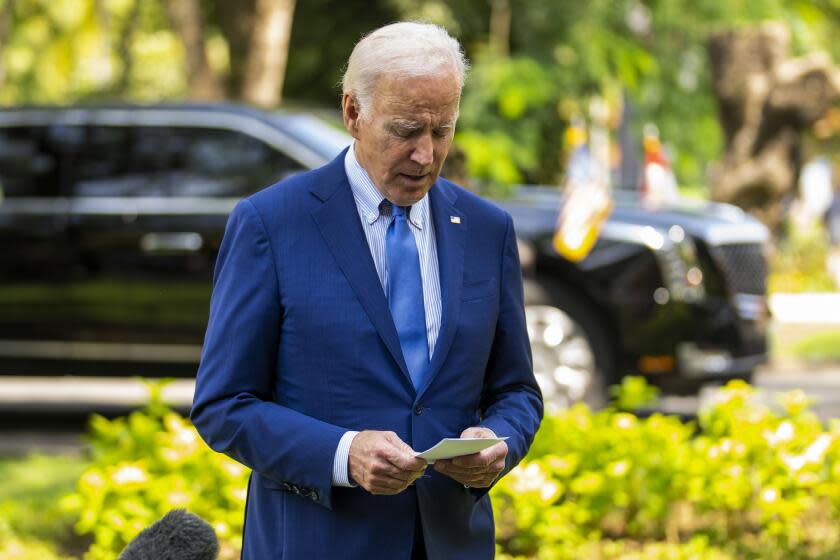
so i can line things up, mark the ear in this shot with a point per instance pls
(351, 114)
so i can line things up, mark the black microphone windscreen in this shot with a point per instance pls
(179, 535)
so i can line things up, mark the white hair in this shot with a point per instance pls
(401, 49)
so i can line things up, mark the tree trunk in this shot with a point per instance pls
(500, 27)
(122, 85)
(105, 65)
(185, 16)
(236, 22)
(7, 15)
(766, 99)
(268, 52)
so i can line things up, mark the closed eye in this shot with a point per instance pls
(404, 130)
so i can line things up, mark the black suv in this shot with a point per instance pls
(111, 218)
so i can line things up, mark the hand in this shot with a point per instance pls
(382, 463)
(478, 469)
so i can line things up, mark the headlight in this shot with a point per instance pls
(681, 271)
(675, 253)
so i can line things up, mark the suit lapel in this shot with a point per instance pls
(341, 228)
(450, 240)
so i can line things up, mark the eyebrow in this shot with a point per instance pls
(412, 125)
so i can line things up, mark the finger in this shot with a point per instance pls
(478, 432)
(416, 477)
(386, 485)
(399, 461)
(454, 470)
(492, 469)
(406, 461)
(489, 479)
(407, 466)
(398, 444)
(480, 481)
(410, 464)
(483, 458)
(387, 490)
(455, 476)
(397, 474)
(384, 467)
(477, 481)
(480, 460)
(403, 456)
(401, 445)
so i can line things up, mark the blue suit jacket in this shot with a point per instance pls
(300, 347)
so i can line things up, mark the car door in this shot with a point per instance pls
(148, 211)
(34, 264)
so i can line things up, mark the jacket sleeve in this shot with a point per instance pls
(234, 408)
(511, 402)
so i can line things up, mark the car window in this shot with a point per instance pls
(176, 161)
(29, 162)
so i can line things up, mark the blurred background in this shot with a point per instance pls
(673, 170)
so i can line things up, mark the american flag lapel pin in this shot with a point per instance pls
(455, 219)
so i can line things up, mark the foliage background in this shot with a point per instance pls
(532, 72)
(754, 477)
(748, 480)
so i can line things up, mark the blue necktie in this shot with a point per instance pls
(405, 295)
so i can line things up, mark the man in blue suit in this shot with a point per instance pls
(365, 310)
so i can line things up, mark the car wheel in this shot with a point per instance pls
(571, 350)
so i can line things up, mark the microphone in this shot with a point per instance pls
(178, 535)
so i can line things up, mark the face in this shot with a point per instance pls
(403, 141)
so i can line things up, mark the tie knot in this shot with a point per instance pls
(396, 211)
(399, 211)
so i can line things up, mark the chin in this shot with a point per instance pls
(408, 199)
(406, 196)
(412, 193)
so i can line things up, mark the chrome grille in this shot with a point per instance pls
(743, 266)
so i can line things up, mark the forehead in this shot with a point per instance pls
(434, 96)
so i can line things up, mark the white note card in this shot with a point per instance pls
(447, 448)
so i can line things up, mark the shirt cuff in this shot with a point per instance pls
(340, 475)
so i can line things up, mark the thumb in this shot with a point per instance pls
(403, 449)
(397, 443)
(478, 432)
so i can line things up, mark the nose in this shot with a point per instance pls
(423, 153)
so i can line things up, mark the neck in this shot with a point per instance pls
(361, 159)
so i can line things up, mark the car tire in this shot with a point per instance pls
(573, 352)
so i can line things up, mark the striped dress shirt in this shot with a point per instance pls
(376, 217)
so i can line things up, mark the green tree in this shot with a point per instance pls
(535, 64)
(652, 50)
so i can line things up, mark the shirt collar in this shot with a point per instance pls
(369, 199)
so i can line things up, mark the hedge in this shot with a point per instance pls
(746, 479)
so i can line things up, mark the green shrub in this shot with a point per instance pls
(745, 481)
(16, 547)
(146, 464)
(29, 513)
(799, 262)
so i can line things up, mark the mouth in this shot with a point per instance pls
(412, 178)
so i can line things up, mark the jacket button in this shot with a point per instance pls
(418, 410)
